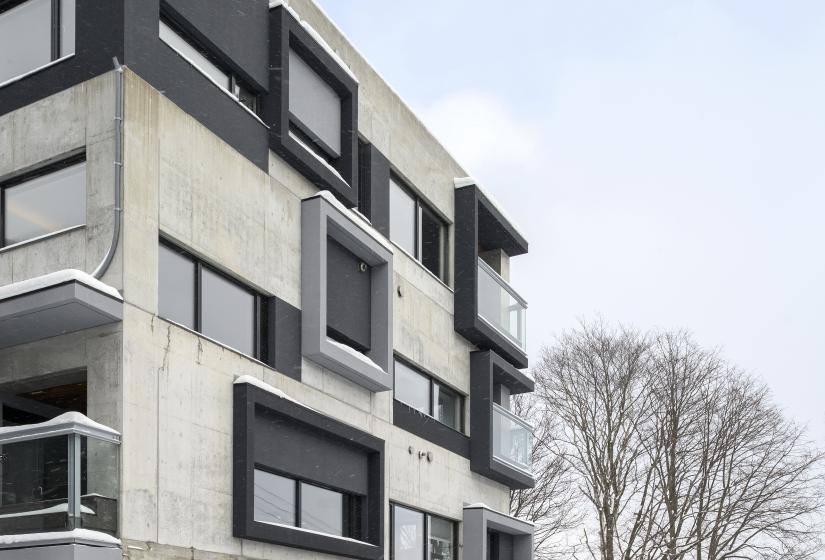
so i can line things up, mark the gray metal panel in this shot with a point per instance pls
(53, 311)
(63, 552)
(478, 520)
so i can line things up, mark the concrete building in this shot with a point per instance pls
(249, 306)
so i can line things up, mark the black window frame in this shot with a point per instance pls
(259, 334)
(433, 381)
(40, 171)
(190, 36)
(421, 207)
(55, 23)
(339, 174)
(427, 517)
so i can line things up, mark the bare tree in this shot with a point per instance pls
(679, 455)
(552, 505)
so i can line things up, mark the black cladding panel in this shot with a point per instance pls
(349, 296)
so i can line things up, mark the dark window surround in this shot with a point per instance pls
(422, 207)
(427, 517)
(351, 503)
(479, 225)
(200, 265)
(199, 42)
(247, 400)
(287, 33)
(40, 171)
(486, 370)
(8, 5)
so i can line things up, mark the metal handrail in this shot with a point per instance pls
(502, 282)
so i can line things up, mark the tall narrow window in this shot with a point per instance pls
(417, 229)
(33, 34)
(176, 286)
(46, 203)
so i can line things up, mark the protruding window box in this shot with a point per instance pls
(58, 303)
(60, 482)
(501, 443)
(492, 534)
(346, 283)
(488, 311)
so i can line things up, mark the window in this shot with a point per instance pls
(34, 34)
(314, 107)
(417, 229)
(207, 64)
(196, 296)
(422, 536)
(48, 201)
(429, 396)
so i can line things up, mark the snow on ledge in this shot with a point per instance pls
(314, 154)
(250, 380)
(461, 182)
(357, 218)
(315, 35)
(482, 505)
(76, 535)
(55, 278)
(59, 423)
(355, 353)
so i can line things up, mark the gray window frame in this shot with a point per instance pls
(427, 519)
(433, 382)
(17, 180)
(258, 332)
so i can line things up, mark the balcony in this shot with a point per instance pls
(512, 439)
(56, 477)
(501, 306)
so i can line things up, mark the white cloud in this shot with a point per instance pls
(481, 131)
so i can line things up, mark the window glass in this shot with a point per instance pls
(176, 287)
(45, 204)
(227, 312)
(314, 103)
(412, 388)
(407, 534)
(193, 55)
(447, 406)
(322, 510)
(25, 38)
(442, 535)
(432, 243)
(274, 498)
(67, 27)
(402, 218)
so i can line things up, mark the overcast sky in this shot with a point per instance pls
(665, 158)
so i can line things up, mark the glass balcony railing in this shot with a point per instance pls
(501, 306)
(512, 439)
(58, 476)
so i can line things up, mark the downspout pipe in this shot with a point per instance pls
(118, 208)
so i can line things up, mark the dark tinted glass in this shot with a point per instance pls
(447, 406)
(432, 243)
(274, 498)
(407, 534)
(322, 510)
(227, 312)
(176, 287)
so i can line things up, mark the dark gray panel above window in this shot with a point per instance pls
(349, 297)
(47, 201)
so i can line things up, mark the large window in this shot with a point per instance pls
(422, 536)
(417, 229)
(34, 34)
(48, 201)
(315, 108)
(285, 501)
(196, 296)
(207, 64)
(429, 396)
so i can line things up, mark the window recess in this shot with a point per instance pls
(207, 63)
(417, 229)
(48, 200)
(417, 535)
(34, 34)
(429, 396)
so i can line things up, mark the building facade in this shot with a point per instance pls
(249, 306)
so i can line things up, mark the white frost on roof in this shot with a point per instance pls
(40, 539)
(316, 156)
(58, 422)
(481, 505)
(355, 353)
(249, 379)
(461, 182)
(357, 218)
(317, 36)
(55, 278)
